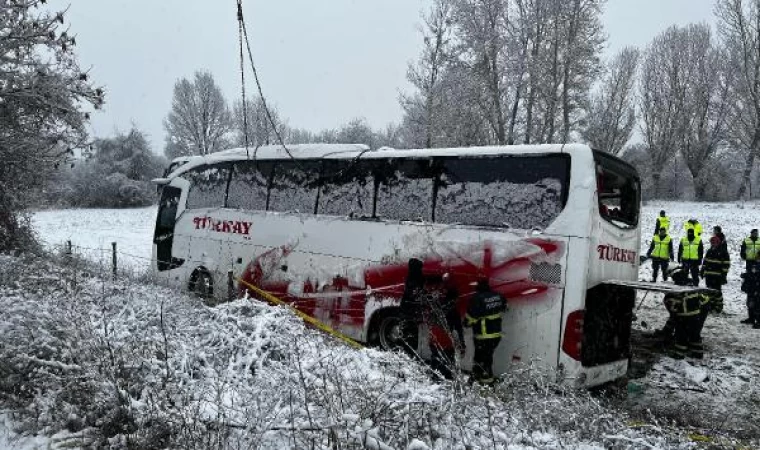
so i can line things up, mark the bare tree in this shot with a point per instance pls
(611, 116)
(357, 131)
(684, 100)
(531, 26)
(43, 96)
(260, 130)
(482, 29)
(524, 68)
(426, 74)
(199, 120)
(583, 34)
(706, 88)
(661, 100)
(739, 25)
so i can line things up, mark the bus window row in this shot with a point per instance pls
(524, 192)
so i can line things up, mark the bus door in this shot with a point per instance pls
(163, 238)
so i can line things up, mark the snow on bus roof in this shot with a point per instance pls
(298, 151)
(266, 152)
(387, 152)
(350, 151)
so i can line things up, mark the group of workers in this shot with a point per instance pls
(432, 301)
(688, 312)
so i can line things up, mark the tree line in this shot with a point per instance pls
(685, 109)
(201, 122)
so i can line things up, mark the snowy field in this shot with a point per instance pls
(717, 396)
(91, 232)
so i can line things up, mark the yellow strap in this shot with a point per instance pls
(306, 318)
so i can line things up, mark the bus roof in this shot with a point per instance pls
(351, 151)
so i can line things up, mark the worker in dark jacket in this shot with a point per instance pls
(680, 277)
(715, 268)
(411, 300)
(718, 232)
(686, 310)
(485, 314)
(690, 254)
(446, 335)
(412, 305)
(661, 253)
(751, 286)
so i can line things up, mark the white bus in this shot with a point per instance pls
(331, 229)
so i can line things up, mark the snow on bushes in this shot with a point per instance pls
(124, 365)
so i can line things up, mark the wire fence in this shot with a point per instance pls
(109, 260)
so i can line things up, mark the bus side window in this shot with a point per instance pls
(208, 186)
(294, 186)
(405, 189)
(346, 189)
(523, 192)
(248, 185)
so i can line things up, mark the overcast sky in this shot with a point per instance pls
(321, 62)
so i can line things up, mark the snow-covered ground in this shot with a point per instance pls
(719, 395)
(103, 364)
(721, 392)
(91, 232)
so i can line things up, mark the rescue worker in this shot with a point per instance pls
(680, 277)
(718, 231)
(690, 253)
(661, 252)
(751, 286)
(662, 221)
(715, 268)
(693, 224)
(446, 335)
(413, 286)
(686, 310)
(411, 305)
(750, 250)
(485, 314)
(750, 253)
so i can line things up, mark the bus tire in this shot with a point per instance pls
(389, 330)
(202, 285)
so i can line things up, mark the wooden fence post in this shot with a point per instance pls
(113, 260)
(230, 286)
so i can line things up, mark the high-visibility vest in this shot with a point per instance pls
(663, 222)
(486, 327)
(697, 227)
(752, 249)
(661, 247)
(690, 249)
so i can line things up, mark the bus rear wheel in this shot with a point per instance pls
(202, 285)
